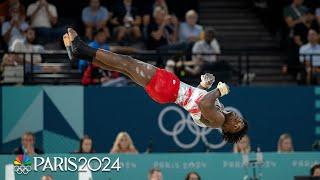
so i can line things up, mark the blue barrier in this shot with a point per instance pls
(60, 115)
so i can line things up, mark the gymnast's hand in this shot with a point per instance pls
(223, 88)
(207, 80)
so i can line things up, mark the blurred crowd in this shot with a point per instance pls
(123, 144)
(125, 27)
(302, 33)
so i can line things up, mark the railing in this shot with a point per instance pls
(241, 63)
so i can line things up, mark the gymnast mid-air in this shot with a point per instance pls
(165, 87)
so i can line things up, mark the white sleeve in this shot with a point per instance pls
(216, 46)
(30, 10)
(16, 46)
(302, 50)
(53, 10)
(196, 49)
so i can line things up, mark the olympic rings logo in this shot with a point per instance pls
(187, 122)
(22, 169)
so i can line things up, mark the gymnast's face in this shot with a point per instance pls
(233, 123)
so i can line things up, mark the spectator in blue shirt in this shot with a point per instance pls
(190, 31)
(95, 17)
(100, 38)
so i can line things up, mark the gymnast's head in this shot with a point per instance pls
(234, 127)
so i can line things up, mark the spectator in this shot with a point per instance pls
(86, 145)
(145, 9)
(285, 144)
(123, 144)
(162, 4)
(207, 46)
(193, 176)
(243, 146)
(155, 174)
(14, 28)
(43, 17)
(315, 170)
(27, 145)
(95, 17)
(294, 13)
(301, 29)
(163, 30)
(127, 21)
(170, 66)
(9, 7)
(46, 177)
(93, 75)
(100, 41)
(190, 31)
(26, 45)
(312, 47)
(11, 69)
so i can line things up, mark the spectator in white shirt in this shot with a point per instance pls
(310, 55)
(207, 46)
(14, 28)
(43, 17)
(26, 46)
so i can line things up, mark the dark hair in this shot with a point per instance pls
(210, 29)
(97, 31)
(189, 174)
(236, 137)
(313, 169)
(81, 142)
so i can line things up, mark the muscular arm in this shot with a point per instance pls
(210, 116)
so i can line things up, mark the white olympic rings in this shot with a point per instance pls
(22, 169)
(200, 133)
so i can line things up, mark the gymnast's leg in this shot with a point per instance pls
(140, 72)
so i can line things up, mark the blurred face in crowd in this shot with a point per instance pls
(159, 15)
(86, 145)
(101, 37)
(127, 2)
(316, 172)
(124, 142)
(243, 143)
(193, 176)
(209, 36)
(286, 145)
(156, 175)
(298, 2)
(30, 35)
(27, 140)
(191, 18)
(309, 17)
(46, 178)
(313, 37)
(95, 4)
